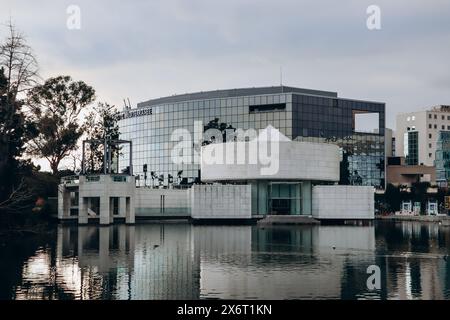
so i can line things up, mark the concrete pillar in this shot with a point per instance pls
(66, 241)
(130, 238)
(60, 201)
(306, 198)
(122, 207)
(130, 212)
(103, 247)
(59, 241)
(63, 202)
(82, 234)
(83, 210)
(122, 234)
(105, 212)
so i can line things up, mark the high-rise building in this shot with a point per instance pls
(417, 133)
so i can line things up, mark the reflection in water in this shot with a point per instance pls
(181, 261)
(414, 259)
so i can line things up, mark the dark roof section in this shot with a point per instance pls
(240, 92)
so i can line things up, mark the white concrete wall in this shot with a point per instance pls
(297, 161)
(221, 201)
(105, 188)
(343, 202)
(149, 202)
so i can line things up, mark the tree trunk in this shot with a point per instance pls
(54, 166)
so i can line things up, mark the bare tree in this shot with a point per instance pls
(18, 72)
(19, 199)
(76, 161)
(16, 56)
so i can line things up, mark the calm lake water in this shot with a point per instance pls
(182, 261)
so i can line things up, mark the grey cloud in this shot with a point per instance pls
(145, 49)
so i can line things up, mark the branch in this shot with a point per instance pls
(18, 200)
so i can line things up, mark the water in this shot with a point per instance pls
(181, 261)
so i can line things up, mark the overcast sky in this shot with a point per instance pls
(147, 49)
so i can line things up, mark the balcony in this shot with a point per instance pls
(70, 181)
(74, 181)
(107, 178)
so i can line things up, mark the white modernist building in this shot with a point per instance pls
(298, 178)
(253, 178)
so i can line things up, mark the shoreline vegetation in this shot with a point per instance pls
(41, 119)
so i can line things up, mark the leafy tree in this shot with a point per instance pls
(55, 107)
(419, 193)
(101, 123)
(392, 198)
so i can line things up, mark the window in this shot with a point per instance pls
(448, 117)
(267, 107)
(448, 127)
(435, 126)
(285, 198)
(443, 118)
(443, 127)
(429, 145)
(411, 150)
(429, 136)
(435, 116)
(413, 118)
(429, 155)
(407, 119)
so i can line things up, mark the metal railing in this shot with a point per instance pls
(70, 180)
(119, 178)
(95, 178)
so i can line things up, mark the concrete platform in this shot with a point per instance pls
(288, 220)
(442, 219)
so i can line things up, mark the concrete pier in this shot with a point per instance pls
(288, 220)
(444, 220)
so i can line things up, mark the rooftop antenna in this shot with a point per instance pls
(129, 104)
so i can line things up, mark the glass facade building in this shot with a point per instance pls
(442, 161)
(300, 114)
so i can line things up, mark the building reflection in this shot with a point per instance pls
(413, 257)
(182, 261)
(116, 262)
(165, 263)
(279, 263)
